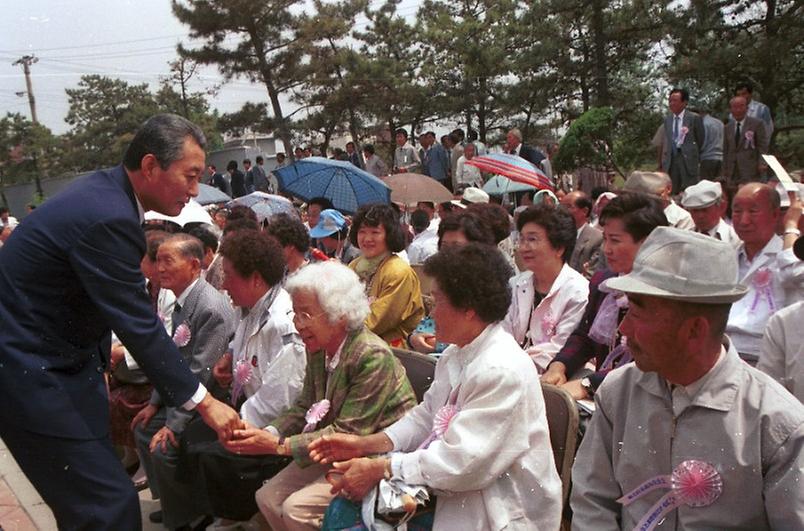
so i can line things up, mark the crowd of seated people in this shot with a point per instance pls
(298, 337)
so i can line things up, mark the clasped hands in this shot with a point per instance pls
(352, 475)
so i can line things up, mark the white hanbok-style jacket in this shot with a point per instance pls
(493, 469)
(553, 320)
(268, 342)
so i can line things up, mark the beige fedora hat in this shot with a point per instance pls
(685, 266)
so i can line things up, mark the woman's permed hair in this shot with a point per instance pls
(473, 276)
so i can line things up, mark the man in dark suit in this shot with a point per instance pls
(745, 140)
(237, 179)
(435, 161)
(217, 180)
(515, 146)
(261, 183)
(586, 254)
(68, 275)
(202, 324)
(684, 134)
(354, 156)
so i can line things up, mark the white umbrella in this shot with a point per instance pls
(191, 213)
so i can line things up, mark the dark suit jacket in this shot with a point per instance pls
(238, 184)
(68, 274)
(741, 160)
(218, 181)
(579, 347)
(587, 249)
(211, 320)
(532, 155)
(435, 162)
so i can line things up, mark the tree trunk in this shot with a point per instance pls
(273, 95)
(599, 41)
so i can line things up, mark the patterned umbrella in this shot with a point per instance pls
(514, 167)
(265, 205)
(343, 183)
(191, 213)
(410, 188)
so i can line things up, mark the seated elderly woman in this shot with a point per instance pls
(352, 384)
(627, 220)
(456, 228)
(392, 286)
(480, 435)
(549, 297)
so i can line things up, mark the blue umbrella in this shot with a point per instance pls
(499, 185)
(343, 183)
(208, 195)
(265, 205)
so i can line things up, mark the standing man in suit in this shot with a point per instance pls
(685, 135)
(202, 324)
(237, 179)
(746, 139)
(68, 275)
(756, 109)
(435, 161)
(217, 180)
(354, 156)
(516, 147)
(586, 254)
(260, 178)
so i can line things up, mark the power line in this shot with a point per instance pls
(96, 45)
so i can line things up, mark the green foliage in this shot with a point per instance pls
(27, 150)
(588, 141)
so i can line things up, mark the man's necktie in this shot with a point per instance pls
(676, 130)
(737, 136)
(174, 317)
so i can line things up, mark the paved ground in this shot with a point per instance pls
(21, 508)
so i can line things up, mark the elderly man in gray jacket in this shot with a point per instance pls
(690, 435)
(202, 323)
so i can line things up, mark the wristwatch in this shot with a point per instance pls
(586, 383)
(280, 446)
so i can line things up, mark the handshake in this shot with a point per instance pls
(220, 417)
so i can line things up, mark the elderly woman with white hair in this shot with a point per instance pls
(353, 384)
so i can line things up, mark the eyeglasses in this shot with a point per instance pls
(304, 318)
(529, 241)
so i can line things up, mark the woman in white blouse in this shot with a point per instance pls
(549, 297)
(490, 464)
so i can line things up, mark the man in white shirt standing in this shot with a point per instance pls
(704, 202)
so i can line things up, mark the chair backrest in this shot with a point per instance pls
(420, 369)
(563, 420)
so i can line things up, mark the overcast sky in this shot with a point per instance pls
(131, 40)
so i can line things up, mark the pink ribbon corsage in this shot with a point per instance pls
(549, 324)
(749, 140)
(762, 282)
(315, 414)
(682, 135)
(441, 422)
(693, 483)
(243, 372)
(182, 335)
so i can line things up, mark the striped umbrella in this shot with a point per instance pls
(514, 167)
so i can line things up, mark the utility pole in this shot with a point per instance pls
(26, 61)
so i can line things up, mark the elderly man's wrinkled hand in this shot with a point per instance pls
(161, 439)
(359, 476)
(222, 371)
(335, 447)
(555, 374)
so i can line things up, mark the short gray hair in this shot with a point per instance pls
(162, 136)
(338, 290)
(188, 246)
